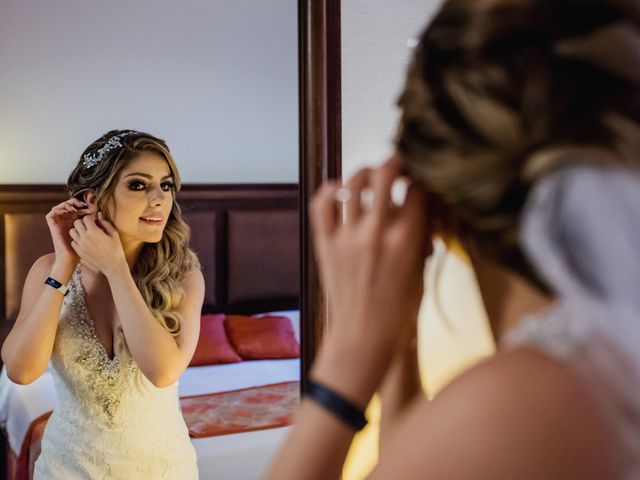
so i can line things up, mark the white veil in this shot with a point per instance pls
(580, 230)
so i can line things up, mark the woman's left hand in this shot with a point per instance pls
(97, 243)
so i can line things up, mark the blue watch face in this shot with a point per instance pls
(52, 282)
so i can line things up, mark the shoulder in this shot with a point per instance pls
(539, 407)
(526, 379)
(520, 414)
(529, 373)
(45, 261)
(193, 285)
(42, 266)
(193, 279)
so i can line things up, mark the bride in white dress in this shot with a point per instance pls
(520, 139)
(116, 308)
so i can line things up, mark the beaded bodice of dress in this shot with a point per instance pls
(110, 422)
(105, 391)
(86, 378)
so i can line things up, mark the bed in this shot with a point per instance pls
(246, 237)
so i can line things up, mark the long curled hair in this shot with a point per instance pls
(162, 266)
(502, 92)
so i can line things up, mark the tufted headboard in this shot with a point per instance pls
(246, 237)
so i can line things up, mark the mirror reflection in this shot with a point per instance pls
(148, 199)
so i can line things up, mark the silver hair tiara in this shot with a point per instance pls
(114, 142)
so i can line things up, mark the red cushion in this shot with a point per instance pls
(213, 345)
(256, 338)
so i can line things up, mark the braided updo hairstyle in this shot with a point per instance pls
(162, 266)
(502, 92)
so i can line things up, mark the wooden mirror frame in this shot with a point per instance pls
(320, 148)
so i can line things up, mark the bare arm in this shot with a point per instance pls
(318, 443)
(519, 415)
(373, 269)
(161, 357)
(27, 348)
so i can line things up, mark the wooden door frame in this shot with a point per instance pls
(320, 148)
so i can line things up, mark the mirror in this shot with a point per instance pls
(217, 80)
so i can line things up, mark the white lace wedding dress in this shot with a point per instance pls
(109, 422)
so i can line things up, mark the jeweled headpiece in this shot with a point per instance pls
(91, 160)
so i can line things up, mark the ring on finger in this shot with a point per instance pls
(343, 195)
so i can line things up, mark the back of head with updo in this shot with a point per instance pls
(162, 266)
(501, 92)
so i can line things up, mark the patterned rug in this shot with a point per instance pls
(245, 410)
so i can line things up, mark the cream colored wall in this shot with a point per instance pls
(375, 34)
(375, 51)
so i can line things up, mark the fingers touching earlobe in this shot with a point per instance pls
(89, 198)
(382, 182)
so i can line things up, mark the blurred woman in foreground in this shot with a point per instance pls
(520, 135)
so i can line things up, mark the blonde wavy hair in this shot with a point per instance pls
(502, 92)
(162, 266)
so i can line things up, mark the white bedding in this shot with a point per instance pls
(20, 405)
(242, 455)
(237, 456)
(222, 378)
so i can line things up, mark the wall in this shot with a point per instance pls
(376, 39)
(216, 79)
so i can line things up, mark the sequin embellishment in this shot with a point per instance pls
(105, 379)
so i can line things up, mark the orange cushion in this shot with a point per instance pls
(256, 338)
(213, 345)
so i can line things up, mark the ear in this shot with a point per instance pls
(89, 198)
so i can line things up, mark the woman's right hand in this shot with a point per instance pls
(60, 220)
(372, 267)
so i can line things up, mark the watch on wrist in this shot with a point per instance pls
(57, 285)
